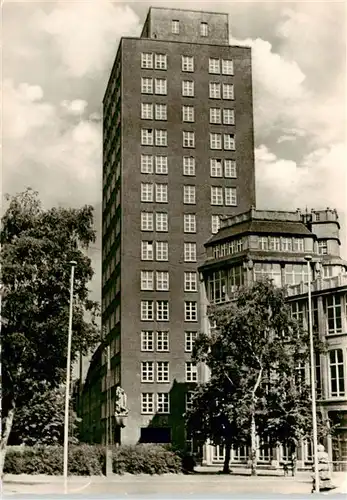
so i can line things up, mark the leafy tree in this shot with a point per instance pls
(37, 246)
(41, 421)
(254, 389)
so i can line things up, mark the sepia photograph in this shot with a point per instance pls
(173, 302)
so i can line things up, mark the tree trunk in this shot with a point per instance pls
(4, 438)
(226, 469)
(253, 447)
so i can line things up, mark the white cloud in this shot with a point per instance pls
(59, 158)
(318, 181)
(75, 107)
(84, 33)
(284, 100)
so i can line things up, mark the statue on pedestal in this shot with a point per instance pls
(121, 410)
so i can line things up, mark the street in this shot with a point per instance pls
(198, 484)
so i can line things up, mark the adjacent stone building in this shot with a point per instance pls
(258, 244)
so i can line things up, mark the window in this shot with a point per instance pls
(160, 112)
(189, 197)
(188, 139)
(190, 252)
(161, 222)
(190, 281)
(319, 386)
(189, 400)
(188, 165)
(147, 137)
(160, 86)
(230, 169)
(187, 63)
(191, 372)
(203, 29)
(175, 27)
(263, 243)
(274, 243)
(187, 88)
(215, 141)
(337, 376)
(146, 164)
(147, 371)
(161, 137)
(214, 65)
(230, 197)
(323, 247)
(162, 341)
(147, 280)
(163, 371)
(147, 310)
(162, 280)
(216, 169)
(190, 338)
(147, 403)
(227, 67)
(188, 113)
(333, 314)
(161, 193)
(146, 60)
(189, 223)
(162, 251)
(147, 340)
(228, 91)
(146, 111)
(216, 286)
(146, 250)
(299, 245)
(215, 115)
(295, 274)
(190, 311)
(216, 195)
(286, 244)
(163, 402)
(146, 221)
(215, 90)
(215, 224)
(146, 192)
(229, 142)
(146, 85)
(161, 165)
(228, 117)
(160, 61)
(162, 310)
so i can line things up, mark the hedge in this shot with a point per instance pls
(87, 460)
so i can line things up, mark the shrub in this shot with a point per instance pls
(145, 459)
(13, 462)
(84, 460)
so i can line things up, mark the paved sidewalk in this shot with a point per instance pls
(169, 484)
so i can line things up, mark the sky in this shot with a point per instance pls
(56, 60)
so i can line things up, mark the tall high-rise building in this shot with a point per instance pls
(178, 153)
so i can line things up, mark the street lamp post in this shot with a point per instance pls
(308, 258)
(68, 373)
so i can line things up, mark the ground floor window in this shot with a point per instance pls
(158, 435)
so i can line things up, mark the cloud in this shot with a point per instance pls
(85, 32)
(58, 157)
(75, 107)
(318, 181)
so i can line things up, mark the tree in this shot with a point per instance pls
(253, 357)
(37, 246)
(41, 421)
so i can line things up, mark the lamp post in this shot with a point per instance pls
(308, 259)
(68, 372)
